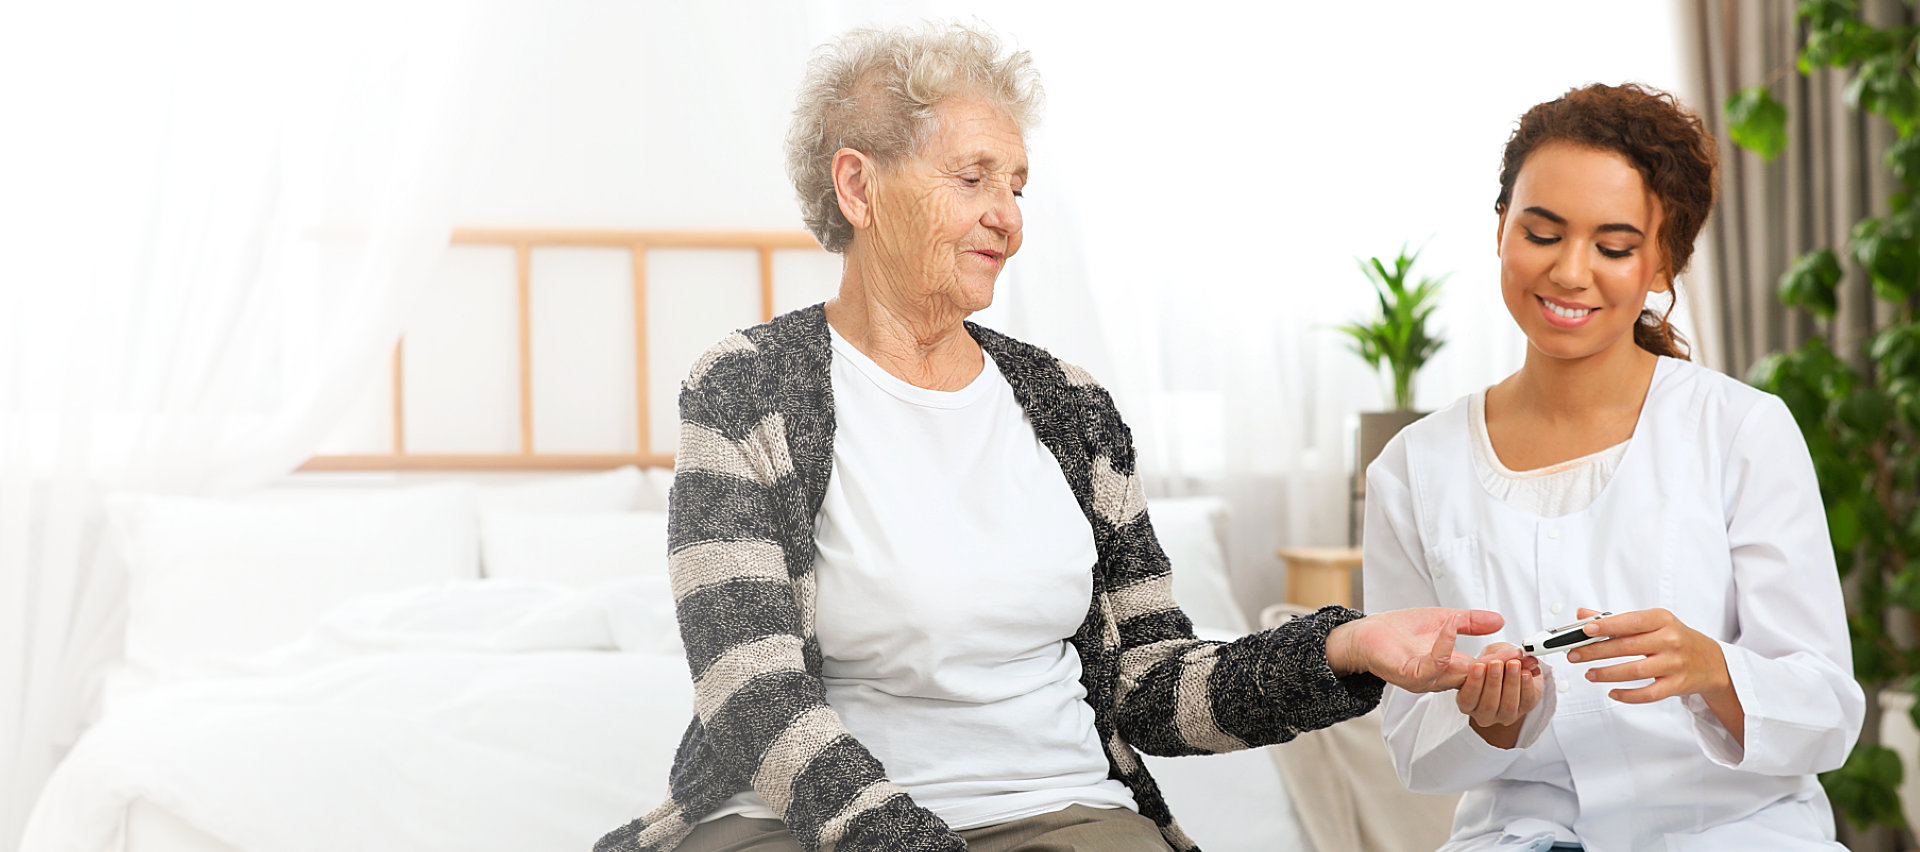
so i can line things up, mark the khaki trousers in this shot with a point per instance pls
(1077, 829)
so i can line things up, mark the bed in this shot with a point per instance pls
(415, 650)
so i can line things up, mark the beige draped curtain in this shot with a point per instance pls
(1829, 177)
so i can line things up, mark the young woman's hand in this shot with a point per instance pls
(1680, 659)
(1501, 688)
(1410, 648)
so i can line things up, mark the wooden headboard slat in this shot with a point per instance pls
(524, 241)
(485, 461)
(523, 297)
(643, 424)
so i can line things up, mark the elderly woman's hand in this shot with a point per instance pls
(1410, 648)
(1504, 686)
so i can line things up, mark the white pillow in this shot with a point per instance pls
(1192, 531)
(214, 581)
(616, 490)
(653, 496)
(579, 550)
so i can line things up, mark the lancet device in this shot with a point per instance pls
(1566, 637)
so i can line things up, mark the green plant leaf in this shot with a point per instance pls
(1397, 337)
(1765, 373)
(1888, 250)
(1871, 663)
(1757, 122)
(1905, 589)
(1836, 37)
(1903, 159)
(1885, 84)
(1813, 283)
(1905, 391)
(1365, 342)
(1867, 411)
(1843, 525)
(1801, 379)
(1913, 713)
(1895, 350)
(1823, 14)
(1866, 787)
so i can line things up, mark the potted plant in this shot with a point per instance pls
(1860, 411)
(1395, 337)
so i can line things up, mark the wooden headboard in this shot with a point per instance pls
(524, 241)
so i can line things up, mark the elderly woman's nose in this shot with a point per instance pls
(1004, 214)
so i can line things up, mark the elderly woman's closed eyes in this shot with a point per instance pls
(921, 597)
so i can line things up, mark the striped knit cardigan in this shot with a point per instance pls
(756, 449)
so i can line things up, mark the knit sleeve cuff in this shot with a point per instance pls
(1299, 677)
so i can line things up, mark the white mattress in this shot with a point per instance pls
(491, 715)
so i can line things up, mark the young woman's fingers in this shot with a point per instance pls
(1630, 623)
(1637, 645)
(1632, 670)
(1643, 695)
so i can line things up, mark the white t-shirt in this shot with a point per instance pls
(953, 565)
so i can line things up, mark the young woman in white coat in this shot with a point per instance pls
(1612, 474)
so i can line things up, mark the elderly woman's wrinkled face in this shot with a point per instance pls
(948, 218)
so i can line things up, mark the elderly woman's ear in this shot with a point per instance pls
(853, 174)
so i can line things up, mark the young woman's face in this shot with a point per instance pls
(1579, 251)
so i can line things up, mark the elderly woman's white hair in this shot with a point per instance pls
(875, 91)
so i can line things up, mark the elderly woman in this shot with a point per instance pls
(922, 602)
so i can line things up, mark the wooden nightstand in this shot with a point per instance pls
(1321, 576)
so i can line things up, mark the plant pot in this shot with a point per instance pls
(1375, 429)
(1897, 733)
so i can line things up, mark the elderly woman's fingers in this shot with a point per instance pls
(1536, 689)
(1501, 652)
(1493, 695)
(1468, 698)
(1510, 696)
(1479, 622)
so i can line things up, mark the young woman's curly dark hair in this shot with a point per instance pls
(1666, 143)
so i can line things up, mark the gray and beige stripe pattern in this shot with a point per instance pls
(756, 449)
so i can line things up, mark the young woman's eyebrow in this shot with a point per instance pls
(1546, 214)
(1612, 227)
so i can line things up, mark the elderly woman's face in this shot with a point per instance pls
(950, 215)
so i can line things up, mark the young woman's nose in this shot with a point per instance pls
(1572, 269)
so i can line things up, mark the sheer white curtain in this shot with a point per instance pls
(1202, 186)
(1204, 182)
(212, 218)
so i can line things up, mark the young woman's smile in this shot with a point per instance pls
(1577, 251)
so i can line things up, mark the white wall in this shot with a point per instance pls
(1214, 166)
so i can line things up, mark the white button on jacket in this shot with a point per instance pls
(1714, 514)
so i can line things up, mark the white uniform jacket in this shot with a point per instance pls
(1713, 514)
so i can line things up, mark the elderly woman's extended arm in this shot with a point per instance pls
(1181, 695)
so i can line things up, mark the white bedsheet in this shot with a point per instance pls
(480, 715)
(474, 716)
